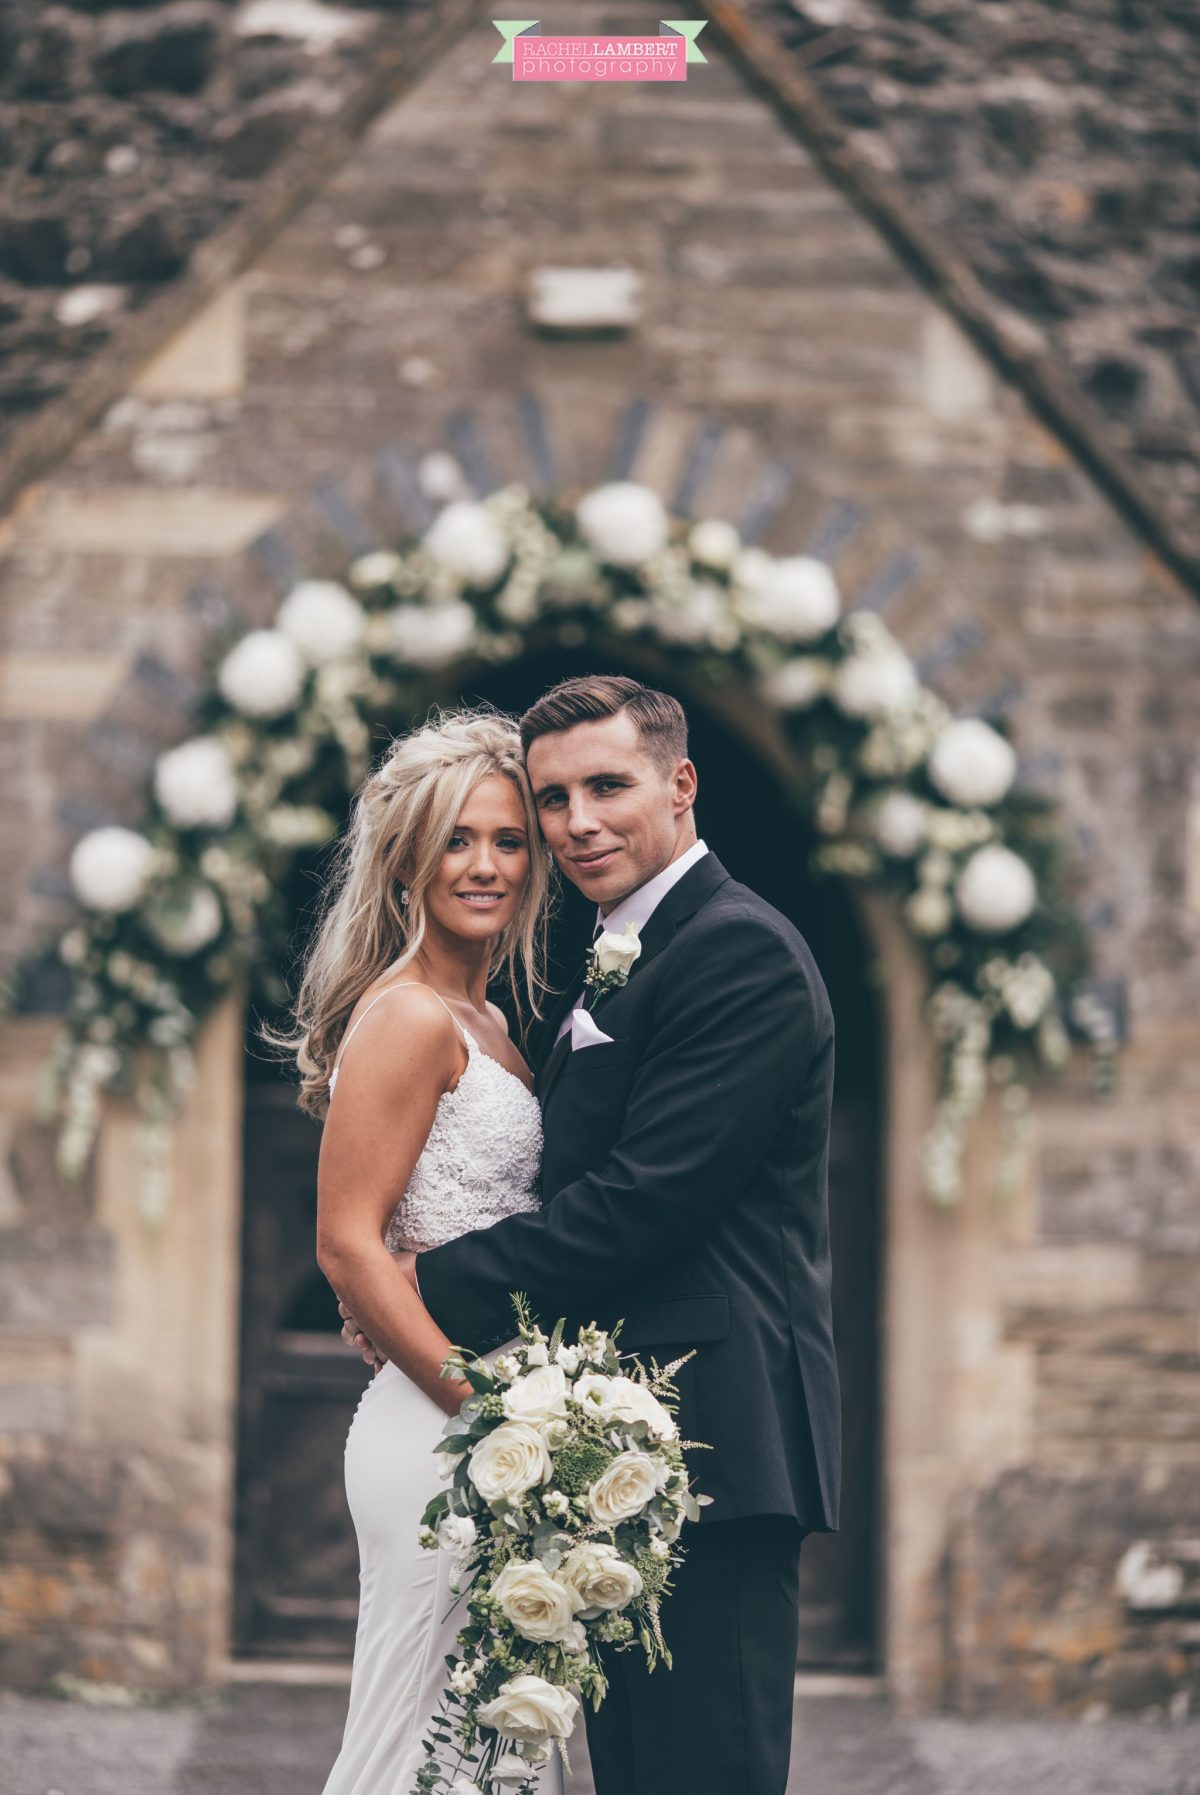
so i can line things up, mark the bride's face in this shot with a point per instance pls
(478, 888)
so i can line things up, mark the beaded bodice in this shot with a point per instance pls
(480, 1161)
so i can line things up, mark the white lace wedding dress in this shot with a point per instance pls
(480, 1162)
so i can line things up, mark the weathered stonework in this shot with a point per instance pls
(1041, 1361)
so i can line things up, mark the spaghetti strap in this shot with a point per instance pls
(400, 985)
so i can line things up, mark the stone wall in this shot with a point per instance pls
(1042, 1363)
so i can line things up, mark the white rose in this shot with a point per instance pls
(465, 538)
(536, 1604)
(195, 783)
(379, 568)
(508, 1461)
(929, 911)
(263, 675)
(110, 868)
(795, 598)
(447, 1464)
(623, 1489)
(185, 920)
(509, 1771)
(623, 522)
(594, 1392)
(995, 891)
(714, 542)
(616, 953)
(872, 685)
(899, 824)
(322, 619)
(601, 1578)
(971, 763)
(456, 1533)
(430, 635)
(568, 1358)
(529, 1708)
(440, 477)
(537, 1396)
(798, 683)
(634, 1402)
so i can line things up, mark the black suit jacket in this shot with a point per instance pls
(684, 1187)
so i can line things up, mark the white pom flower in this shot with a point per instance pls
(623, 522)
(322, 619)
(995, 891)
(971, 763)
(701, 617)
(187, 919)
(110, 869)
(431, 635)
(466, 539)
(714, 542)
(899, 824)
(263, 675)
(875, 685)
(798, 683)
(795, 599)
(196, 785)
(929, 911)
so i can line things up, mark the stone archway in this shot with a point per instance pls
(953, 1409)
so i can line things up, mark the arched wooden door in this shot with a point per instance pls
(296, 1558)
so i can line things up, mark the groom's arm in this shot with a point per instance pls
(735, 1032)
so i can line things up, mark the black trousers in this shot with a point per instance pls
(719, 1722)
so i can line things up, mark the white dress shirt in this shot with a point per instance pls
(638, 907)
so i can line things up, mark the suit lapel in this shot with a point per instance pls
(683, 900)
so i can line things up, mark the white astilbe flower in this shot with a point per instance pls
(624, 523)
(466, 540)
(263, 675)
(798, 683)
(322, 619)
(971, 763)
(995, 891)
(874, 685)
(899, 824)
(110, 869)
(196, 785)
(794, 599)
(714, 542)
(431, 635)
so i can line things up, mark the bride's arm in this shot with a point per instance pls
(377, 1125)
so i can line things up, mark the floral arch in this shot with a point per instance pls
(903, 795)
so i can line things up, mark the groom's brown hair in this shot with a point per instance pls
(660, 719)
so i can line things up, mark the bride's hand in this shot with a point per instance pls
(353, 1335)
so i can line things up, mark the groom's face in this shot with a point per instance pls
(612, 816)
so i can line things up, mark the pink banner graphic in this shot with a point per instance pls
(659, 58)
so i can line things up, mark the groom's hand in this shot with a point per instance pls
(353, 1335)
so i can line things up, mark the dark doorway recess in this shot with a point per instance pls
(296, 1560)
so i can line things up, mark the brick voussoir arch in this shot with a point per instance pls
(412, 571)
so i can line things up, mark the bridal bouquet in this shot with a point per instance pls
(567, 1496)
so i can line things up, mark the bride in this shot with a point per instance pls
(441, 882)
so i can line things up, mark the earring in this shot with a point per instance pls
(404, 898)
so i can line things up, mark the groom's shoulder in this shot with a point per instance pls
(739, 915)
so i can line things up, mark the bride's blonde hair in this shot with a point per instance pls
(402, 818)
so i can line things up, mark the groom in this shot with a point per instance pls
(684, 1187)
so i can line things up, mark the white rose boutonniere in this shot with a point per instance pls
(611, 958)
